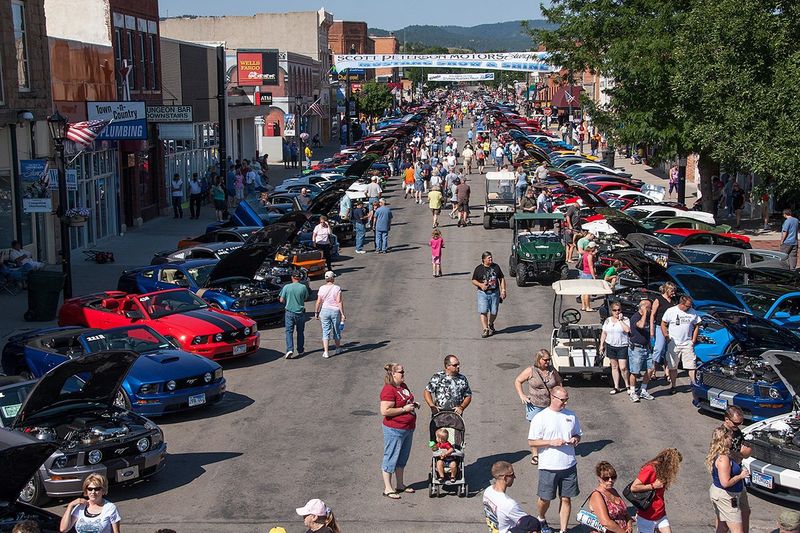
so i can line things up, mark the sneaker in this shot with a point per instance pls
(485, 333)
(545, 528)
(646, 395)
(300, 353)
(339, 351)
(491, 327)
(325, 355)
(361, 251)
(634, 397)
(289, 354)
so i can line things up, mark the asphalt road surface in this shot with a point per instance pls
(291, 430)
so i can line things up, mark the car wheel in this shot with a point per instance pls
(33, 492)
(487, 222)
(121, 400)
(512, 266)
(564, 273)
(521, 278)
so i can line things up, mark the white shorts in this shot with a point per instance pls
(650, 526)
(409, 187)
(683, 353)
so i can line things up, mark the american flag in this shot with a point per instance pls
(316, 109)
(84, 133)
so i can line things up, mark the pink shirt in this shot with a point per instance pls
(322, 234)
(436, 247)
(328, 294)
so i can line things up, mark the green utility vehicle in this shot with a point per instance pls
(537, 250)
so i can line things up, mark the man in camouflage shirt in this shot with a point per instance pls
(448, 389)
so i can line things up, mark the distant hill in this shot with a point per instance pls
(501, 36)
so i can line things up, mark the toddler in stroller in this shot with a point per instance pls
(447, 443)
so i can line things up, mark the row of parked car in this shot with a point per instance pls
(77, 399)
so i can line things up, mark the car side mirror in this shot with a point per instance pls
(133, 314)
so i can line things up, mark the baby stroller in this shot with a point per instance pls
(454, 425)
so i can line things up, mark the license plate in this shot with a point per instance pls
(197, 399)
(718, 403)
(127, 474)
(239, 349)
(762, 480)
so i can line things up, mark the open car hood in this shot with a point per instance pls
(622, 223)
(20, 458)
(571, 186)
(754, 333)
(645, 268)
(649, 244)
(245, 215)
(358, 168)
(787, 365)
(102, 374)
(246, 260)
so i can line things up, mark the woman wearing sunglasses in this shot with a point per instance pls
(398, 409)
(541, 378)
(606, 503)
(91, 513)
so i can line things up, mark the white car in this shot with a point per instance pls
(648, 195)
(774, 464)
(641, 212)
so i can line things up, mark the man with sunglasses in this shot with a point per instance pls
(448, 389)
(502, 512)
(734, 418)
(556, 431)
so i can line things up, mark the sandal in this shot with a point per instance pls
(407, 490)
(391, 495)
(535, 460)
(615, 391)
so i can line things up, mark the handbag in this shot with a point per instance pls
(641, 500)
(588, 518)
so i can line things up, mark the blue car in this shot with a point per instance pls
(741, 376)
(228, 283)
(778, 303)
(163, 379)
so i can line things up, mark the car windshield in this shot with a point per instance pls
(139, 340)
(538, 237)
(676, 240)
(638, 214)
(171, 302)
(709, 289)
(200, 274)
(759, 302)
(616, 203)
(11, 399)
(695, 256)
(500, 190)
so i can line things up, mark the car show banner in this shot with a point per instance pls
(519, 61)
(477, 76)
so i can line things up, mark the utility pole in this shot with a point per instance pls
(222, 112)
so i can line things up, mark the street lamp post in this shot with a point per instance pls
(58, 132)
(298, 101)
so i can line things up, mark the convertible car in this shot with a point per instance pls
(742, 377)
(214, 250)
(72, 406)
(162, 380)
(176, 314)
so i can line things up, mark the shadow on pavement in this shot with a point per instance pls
(262, 356)
(340, 271)
(584, 449)
(456, 274)
(181, 469)
(479, 473)
(519, 329)
(230, 403)
(358, 347)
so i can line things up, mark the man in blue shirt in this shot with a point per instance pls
(383, 223)
(789, 237)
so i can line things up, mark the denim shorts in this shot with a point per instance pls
(531, 411)
(584, 275)
(616, 352)
(396, 448)
(330, 323)
(488, 302)
(640, 359)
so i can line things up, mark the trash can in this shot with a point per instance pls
(44, 292)
(608, 157)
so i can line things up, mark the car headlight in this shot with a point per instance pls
(95, 456)
(171, 385)
(559, 254)
(247, 331)
(527, 254)
(217, 374)
(236, 304)
(197, 340)
(150, 425)
(60, 461)
(148, 388)
(143, 444)
(774, 393)
(218, 337)
(207, 377)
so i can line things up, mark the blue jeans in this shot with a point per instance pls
(291, 322)
(531, 411)
(660, 346)
(396, 448)
(488, 302)
(381, 241)
(640, 359)
(361, 230)
(330, 323)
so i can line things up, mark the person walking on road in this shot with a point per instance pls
(606, 503)
(321, 237)
(657, 475)
(490, 285)
(435, 204)
(360, 216)
(662, 302)
(329, 311)
(448, 389)
(374, 191)
(398, 409)
(640, 357)
(555, 432)
(195, 197)
(462, 196)
(727, 490)
(218, 195)
(437, 244)
(293, 296)
(614, 342)
(789, 237)
(502, 512)
(680, 326)
(468, 154)
(383, 223)
(176, 189)
(541, 378)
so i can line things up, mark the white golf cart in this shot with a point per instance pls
(501, 199)
(576, 345)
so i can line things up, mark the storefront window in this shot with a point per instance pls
(188, 156)
(97, 190)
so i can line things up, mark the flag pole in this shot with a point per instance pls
(84, 149)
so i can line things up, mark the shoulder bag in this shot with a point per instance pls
(641, 500)
(588, 518)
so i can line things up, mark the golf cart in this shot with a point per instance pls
(537, 250)
(576, 346)
(500, 198)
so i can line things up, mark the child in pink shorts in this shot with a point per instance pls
(437, 243)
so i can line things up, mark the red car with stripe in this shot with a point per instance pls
(177, 314)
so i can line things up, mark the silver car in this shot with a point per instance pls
(730, 255)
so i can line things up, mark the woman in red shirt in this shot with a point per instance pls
(399, 420)
(657, 474)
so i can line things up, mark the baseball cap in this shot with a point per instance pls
(330, 274)
(316, 507)
(277, 530)
(526, 524)
(591, 244)
(789, 521)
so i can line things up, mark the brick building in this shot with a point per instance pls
(386, 45)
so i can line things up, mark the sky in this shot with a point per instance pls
(387, 15)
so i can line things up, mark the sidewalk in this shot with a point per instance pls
(134, 249)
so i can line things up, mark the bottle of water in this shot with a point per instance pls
(341, 326)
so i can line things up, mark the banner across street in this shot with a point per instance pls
(476, 76)
(519, 61)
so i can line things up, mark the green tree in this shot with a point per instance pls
(374, 98)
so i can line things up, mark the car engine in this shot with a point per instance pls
(783, 434)
(745, 367)
(248, 292)
(84, 430)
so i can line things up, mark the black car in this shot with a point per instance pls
(72, 409)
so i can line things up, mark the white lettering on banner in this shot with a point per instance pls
(519, 61)
(477, 76)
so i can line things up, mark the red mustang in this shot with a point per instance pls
(177, 314)
(688, 237)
